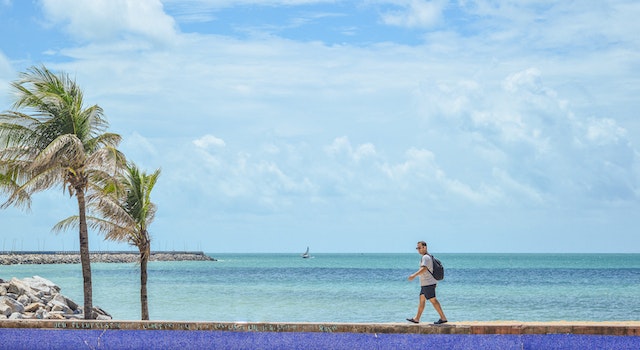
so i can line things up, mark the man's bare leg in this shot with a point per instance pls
(421, 304)
(436, 305)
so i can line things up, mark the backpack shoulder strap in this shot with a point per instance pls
(432, 264)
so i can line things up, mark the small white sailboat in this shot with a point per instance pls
(306, 254)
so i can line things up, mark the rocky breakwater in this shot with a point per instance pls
(14, 258)
(39, 298)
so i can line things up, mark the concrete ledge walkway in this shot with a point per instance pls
(68, 334)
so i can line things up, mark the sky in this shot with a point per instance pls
(352, 126)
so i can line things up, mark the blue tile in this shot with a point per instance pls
(70, 339)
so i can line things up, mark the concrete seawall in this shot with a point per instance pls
(52, 257)
(67, 334)
(626, 328)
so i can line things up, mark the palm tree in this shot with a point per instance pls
(56, 142)
(126, 211)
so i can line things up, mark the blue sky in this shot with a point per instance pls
(353, 126)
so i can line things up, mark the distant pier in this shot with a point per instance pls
(73, 257)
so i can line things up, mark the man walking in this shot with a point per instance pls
(427, 285)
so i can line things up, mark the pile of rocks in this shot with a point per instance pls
(106, 257)
(39, 298)
(155, 256)
(16, 259)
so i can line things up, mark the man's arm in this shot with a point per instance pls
(417, 273)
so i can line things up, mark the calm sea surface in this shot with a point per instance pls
(361, 287)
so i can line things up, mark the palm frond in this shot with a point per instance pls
(66, 150)
(108, 160)
(95, 223)
(18, 196)
(66, 224)
(35, 182)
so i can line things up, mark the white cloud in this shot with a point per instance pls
(7, 74)
(342, 145)
(416, 13)
(479, 119)
(419, 162)
(305, 93)
(140, 145)
(196, 11)
(528, 79)
(271, 149)
(421, 176)
(604, 131)
(516, 189)
(364, 150)
(5, 66)
(208, 141)
(106, 20)
(254, 180)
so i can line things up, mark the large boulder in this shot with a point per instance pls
(59, 303)
(33, 307)
(72, 304)
(24, 299)
(5, 310)
(16, 316)
(40, 284)
(18, 287)
(13, 304)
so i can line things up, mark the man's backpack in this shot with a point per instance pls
(438, 269)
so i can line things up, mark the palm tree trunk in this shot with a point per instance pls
(144, 258)
(84, 255)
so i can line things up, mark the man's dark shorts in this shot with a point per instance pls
(428, 291)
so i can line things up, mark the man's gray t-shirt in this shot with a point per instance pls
(426, 278)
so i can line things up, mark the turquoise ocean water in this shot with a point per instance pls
(361, 287)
